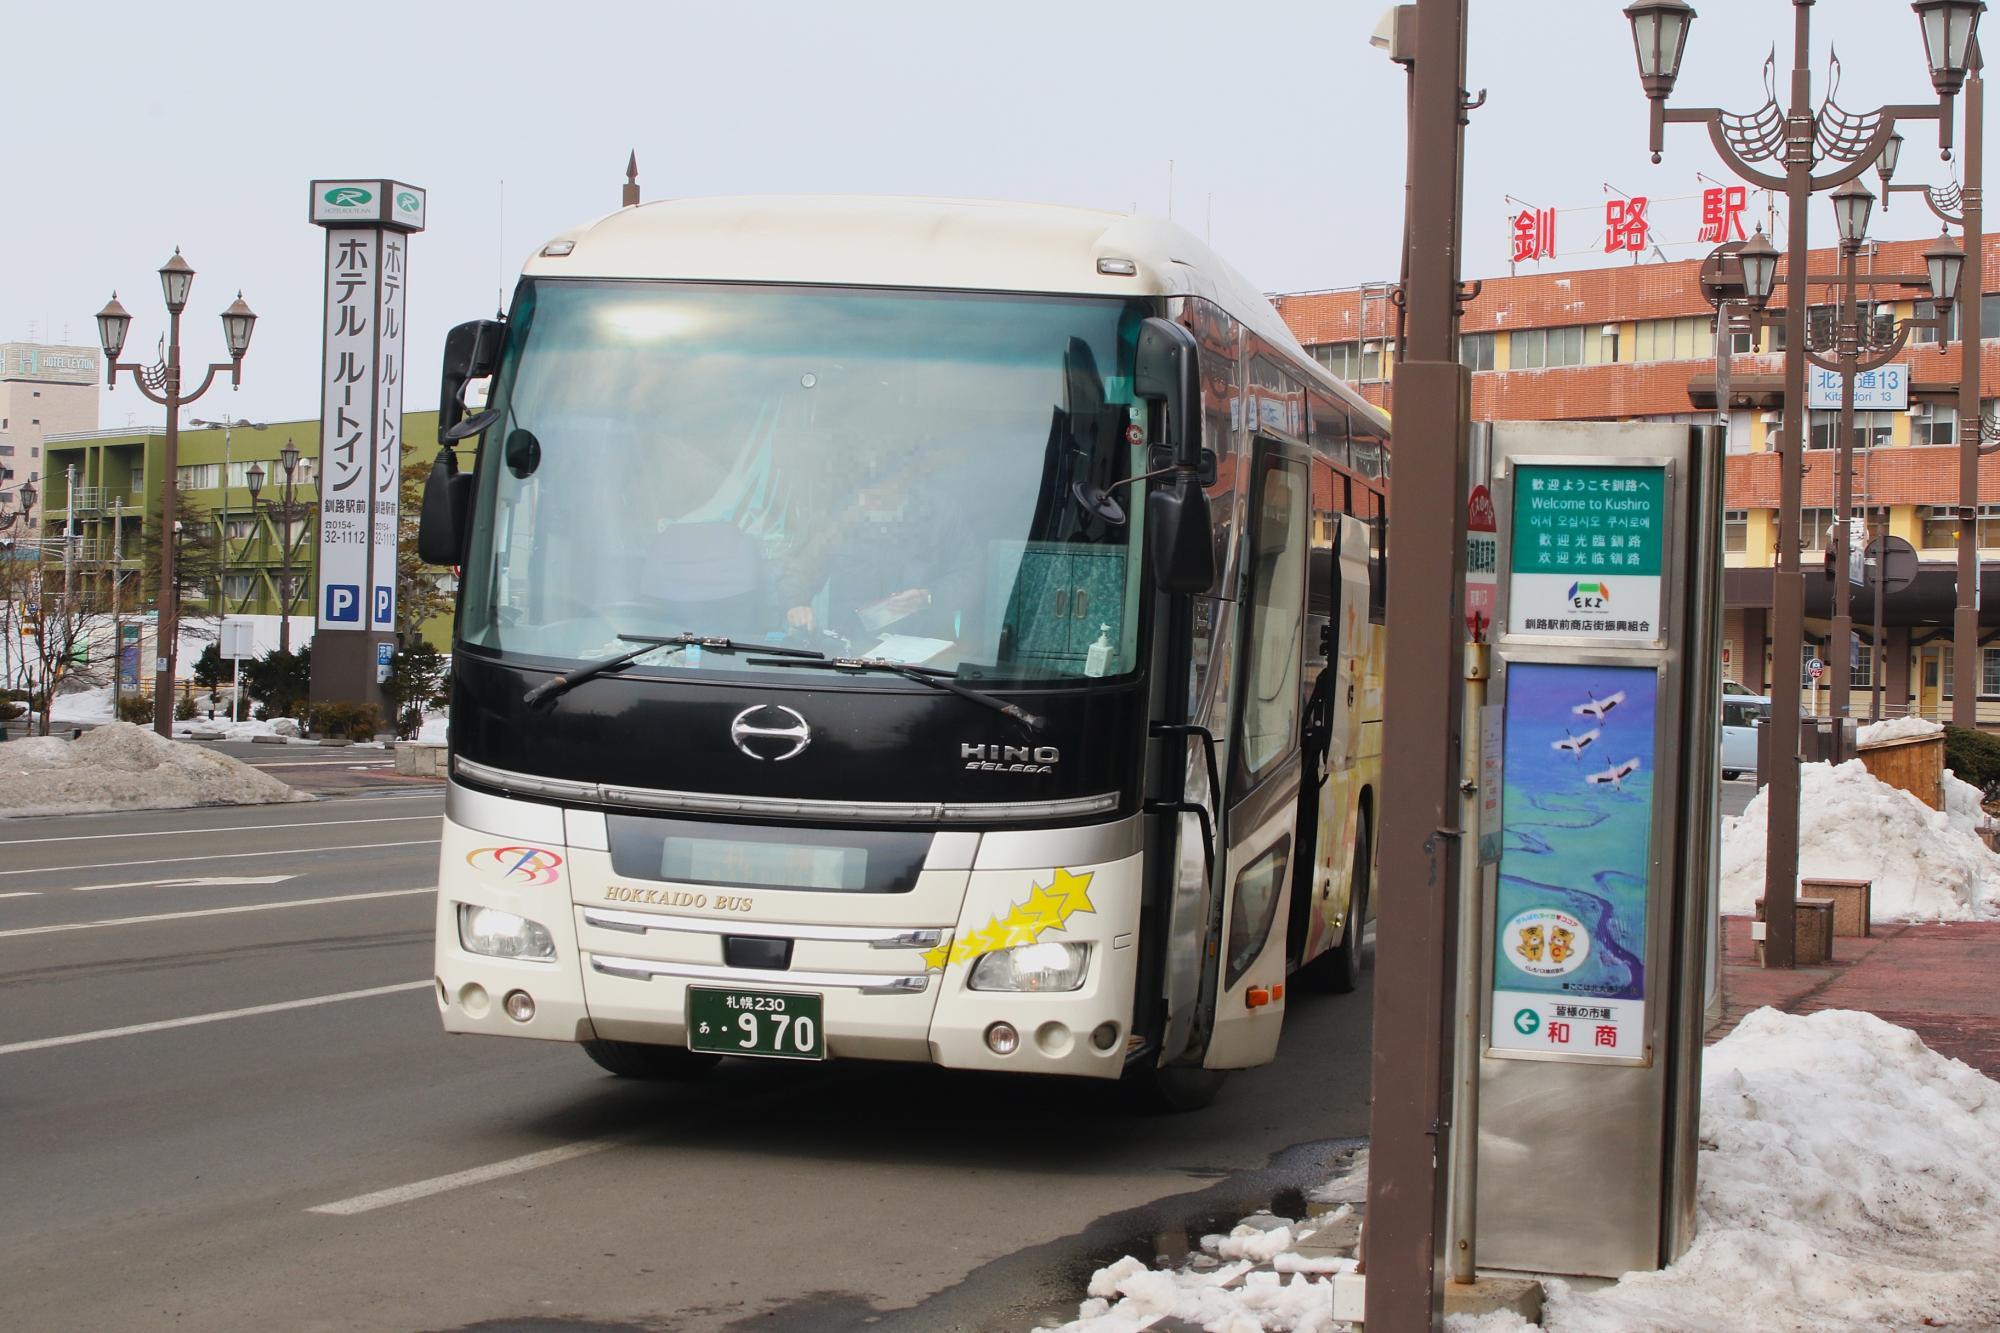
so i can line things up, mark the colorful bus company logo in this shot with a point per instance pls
(1590, 596)
(406, 201)
(349, 196)
(516, 865)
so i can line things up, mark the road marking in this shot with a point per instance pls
(29, 893)
(227, 828)
(478, 1175)
(77, 1038)
(212, 881)
(225, 856)
(210, 911)
(326, 763)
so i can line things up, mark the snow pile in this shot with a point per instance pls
(122, 767)
(1850, 1179)
(222, 729)
(435, 729)
(1928, 865)
(93, 705)
(1896, 729)
(1128, 1296)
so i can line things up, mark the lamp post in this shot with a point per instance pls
(228, 425)
(1851, 347)
(1797, 137)
(1965, 208)
(286, 511)
(162, 384)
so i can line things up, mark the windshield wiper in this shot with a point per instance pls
(932, 676)
(569, 680)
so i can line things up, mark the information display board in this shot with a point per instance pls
(1586, 552)
(1569, 946)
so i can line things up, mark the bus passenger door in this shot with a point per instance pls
(1264, 769)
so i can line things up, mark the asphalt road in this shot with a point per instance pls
(330, 1159)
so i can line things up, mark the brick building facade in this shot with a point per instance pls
(1638, 343)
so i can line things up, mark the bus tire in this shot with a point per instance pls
(635, 1059)
(1343, 965)
(1174, 1089)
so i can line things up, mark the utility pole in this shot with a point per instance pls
(1411, 1125)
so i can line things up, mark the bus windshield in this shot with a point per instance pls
(898, 475)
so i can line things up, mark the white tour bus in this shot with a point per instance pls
(904, 629)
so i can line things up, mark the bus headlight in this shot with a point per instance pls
(1047, 966)
(499, 934)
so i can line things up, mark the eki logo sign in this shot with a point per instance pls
(1590, 596)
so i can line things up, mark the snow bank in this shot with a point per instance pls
(122, 767)
(1850, 1179)
(1928, 865)
(1896, 729)
(1128, 1296)
(93, 705)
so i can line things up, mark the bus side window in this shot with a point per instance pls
(1375, 513)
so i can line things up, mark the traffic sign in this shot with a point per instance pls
(1815, 668)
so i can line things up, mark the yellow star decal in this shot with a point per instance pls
(1045, 909)
(1073, 890)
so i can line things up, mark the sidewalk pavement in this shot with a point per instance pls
(1940, 981)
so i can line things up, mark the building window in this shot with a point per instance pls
(1688, 339)
(1928, 310)
(6, 451)
(198, 476)
(1948, 664)
(1940, 528)
(1371, 361)
(1989, 316)
(1861, 674)
(1530, 349)
(1934, 423)
(1989, 525)
(1736, 530)
(240, 529)
(1340, 359)
(236, 588)
(1475, 350)
(1742, 344)
(1872, 430)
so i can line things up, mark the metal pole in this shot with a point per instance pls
(1781, 850)
(285, 569)
(1471, 972)
(169, 619)
(1971, 287)
(1410, 1127)
(1879, 663)
(117, 625)
(1847, 338)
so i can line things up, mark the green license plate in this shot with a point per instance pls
(784, 1025)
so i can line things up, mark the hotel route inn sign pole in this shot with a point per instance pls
(368, 228)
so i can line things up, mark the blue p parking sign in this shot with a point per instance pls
(343, 602)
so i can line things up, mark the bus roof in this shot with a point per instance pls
(893, 241)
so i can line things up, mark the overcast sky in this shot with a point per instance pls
(136, 128)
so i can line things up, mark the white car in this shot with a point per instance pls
(1740, 690)
(1741, 714)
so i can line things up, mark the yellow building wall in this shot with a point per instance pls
(1760, 538)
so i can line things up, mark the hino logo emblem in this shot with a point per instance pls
(1010, 758)
(770, 731)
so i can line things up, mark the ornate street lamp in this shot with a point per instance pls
(1794, 140)
(1852, 203)
(1948, 28)
(1759, 259)
(162, 384)
(1944, 261)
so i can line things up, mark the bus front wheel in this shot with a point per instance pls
(1343, 968)
(1173, 1089)
(634, 1059)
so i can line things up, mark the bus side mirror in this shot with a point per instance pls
(471, 351)
(1179, 538)
(1166, 370)
(441, 522)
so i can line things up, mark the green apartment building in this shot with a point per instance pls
(259, 551)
